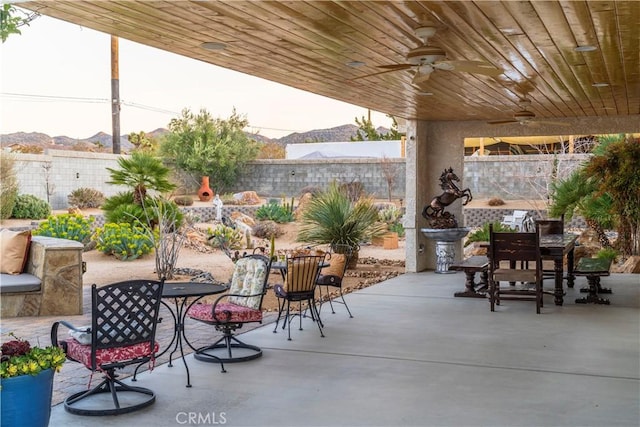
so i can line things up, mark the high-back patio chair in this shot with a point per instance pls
(550, 227)
(515, 258)
(299, 286)
(124, 316)
(332, 275)
(229, 312)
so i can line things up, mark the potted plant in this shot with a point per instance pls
(27, 382)
(333, 218)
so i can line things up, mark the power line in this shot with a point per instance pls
(53, 98)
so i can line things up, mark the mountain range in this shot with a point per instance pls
(103, 142)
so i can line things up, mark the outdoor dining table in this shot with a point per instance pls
(180, 292)
(555, 247)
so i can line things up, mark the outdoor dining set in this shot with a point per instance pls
(516, 257)
(125, 315)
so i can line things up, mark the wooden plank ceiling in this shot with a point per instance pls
(313, 45)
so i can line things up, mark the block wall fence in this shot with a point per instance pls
(52, 176)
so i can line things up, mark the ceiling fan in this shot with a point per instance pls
(525, 117)
(426, 59)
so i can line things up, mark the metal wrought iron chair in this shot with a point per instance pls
(299, 286)
(229, 312)
(332, 275)
(124, 316)
(515, 257)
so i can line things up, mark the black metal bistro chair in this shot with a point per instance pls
(242, 304)
(515, 257)
(124, 316)
(299, 286)
(332, 275)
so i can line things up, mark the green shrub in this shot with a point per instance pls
(86, 198)
(482, 234)
(275, 212)
(66, 226)
(390, 214)
(29, 206)
(607, 253)
(397, 227)
(183, 200)
(229, 199)
(122, 208)
(266, 229)
(124, 241)
(9, 187)
(225, 236)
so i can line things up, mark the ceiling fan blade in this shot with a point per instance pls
(397, 67)
(502, 122)
(393, 67)
(475, 67)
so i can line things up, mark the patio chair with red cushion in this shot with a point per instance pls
(229, 312)
(124, 317)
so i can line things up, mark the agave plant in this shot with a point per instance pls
(332, 218)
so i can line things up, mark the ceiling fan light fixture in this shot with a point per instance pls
(213, 46)
(585, 48)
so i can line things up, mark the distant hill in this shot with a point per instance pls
(102, 141)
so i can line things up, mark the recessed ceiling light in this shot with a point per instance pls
(585, 48)
(601, 84)
(424, 93)
(213, 46)
(356, 64)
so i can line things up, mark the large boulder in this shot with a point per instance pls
(302, 205)
(248, 198)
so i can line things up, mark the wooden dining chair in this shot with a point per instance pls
(547, 227)
(515, 258)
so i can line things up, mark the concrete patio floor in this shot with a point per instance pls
(414, 355)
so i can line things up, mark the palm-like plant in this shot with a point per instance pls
(141, 171)
(332, 218)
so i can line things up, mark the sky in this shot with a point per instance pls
(56, 79)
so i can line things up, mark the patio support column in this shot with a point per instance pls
(431, 147)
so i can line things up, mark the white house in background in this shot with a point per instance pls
(323, 150)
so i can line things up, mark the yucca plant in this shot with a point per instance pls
(333, 218)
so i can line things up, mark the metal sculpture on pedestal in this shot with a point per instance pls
(443, 226)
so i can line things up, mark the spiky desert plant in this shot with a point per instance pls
(333, 218)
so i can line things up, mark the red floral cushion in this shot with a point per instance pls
(82, 353)
(225, 312)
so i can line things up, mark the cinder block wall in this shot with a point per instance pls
(507, 177)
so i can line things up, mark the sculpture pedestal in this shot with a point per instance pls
(445, 245)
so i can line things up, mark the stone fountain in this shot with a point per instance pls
(443, 226)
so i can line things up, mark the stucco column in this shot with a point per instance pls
(431, 147)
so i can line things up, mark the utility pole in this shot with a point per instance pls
(115, 96)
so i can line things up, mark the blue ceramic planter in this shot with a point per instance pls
(26, 400)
